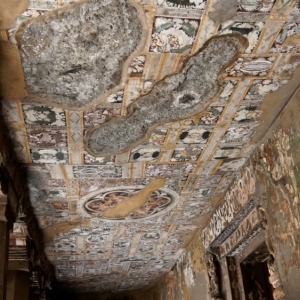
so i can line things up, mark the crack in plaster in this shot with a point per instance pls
(173, 98)
(72, 56)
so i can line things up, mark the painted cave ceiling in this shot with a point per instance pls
(137, 117)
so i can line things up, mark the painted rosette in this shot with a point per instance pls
(96, 203)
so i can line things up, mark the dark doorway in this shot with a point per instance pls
(255, 275)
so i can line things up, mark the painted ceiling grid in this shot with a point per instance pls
(183, 167)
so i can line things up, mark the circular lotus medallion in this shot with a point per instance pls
(96, 204)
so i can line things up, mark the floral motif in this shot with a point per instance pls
(173, 34)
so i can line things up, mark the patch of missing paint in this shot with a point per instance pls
(175, 97)
(73, 56)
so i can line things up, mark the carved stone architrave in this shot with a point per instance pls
(236, 242)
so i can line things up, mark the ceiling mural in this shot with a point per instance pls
(139, 115)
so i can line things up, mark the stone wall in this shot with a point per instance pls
(277, 172)
(270, 182)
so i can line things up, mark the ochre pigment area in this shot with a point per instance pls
(74, 56)
(175, 97)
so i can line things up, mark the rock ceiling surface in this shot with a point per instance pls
(124, 161)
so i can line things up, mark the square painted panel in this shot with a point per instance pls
(116, 97)
(167, 170)
(57, 193)
(103, 171)
(173, 34)
(136, 67)
(38, 114)
(228, 89)
(249, 66)
(103, 160)
(43, 137)
(249, 30)
(211, 117)
(99, 115)
(288, 39)
(208, 180)
(194, 135)
(190, 4)
(255, 6)
(232, 165)
(203, 192)
(158, 135)
(227, 152)
(289, 68)
(246, 114)
(239, 132)
(144, 154)
(49, 156)
(261, 87)
(186, 153)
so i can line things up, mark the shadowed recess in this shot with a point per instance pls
(73, 56)
(173, 98)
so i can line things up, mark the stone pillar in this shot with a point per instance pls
(4, 244)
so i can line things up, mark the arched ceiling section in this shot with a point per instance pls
(197, 154)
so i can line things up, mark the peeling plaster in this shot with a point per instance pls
(73, 56)
(175, 97)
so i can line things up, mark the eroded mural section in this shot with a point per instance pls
(74, 56)
(175, 97)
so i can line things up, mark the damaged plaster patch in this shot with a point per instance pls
(73, 56)
(175, 97)
(224, 11)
